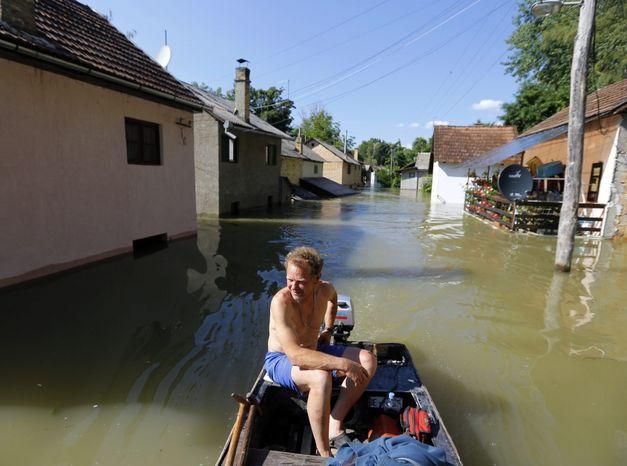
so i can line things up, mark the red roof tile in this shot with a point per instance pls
(607, 100)
(457, 144)
(75, 33)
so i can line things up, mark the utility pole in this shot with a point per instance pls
(576, 126)
(345, 139)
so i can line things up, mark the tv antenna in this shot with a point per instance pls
(164, 54)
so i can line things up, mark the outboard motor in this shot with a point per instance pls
(344, 320)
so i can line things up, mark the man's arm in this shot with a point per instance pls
(329, 317)
(306, 358)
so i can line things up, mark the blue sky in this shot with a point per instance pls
(382, 68)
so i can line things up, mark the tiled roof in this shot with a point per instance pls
(223, 109)
(338, 153)
(288, 149)
(74, 33)
(457, 144)
(606, 101)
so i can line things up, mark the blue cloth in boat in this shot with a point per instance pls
(389, 451)
(279, 367)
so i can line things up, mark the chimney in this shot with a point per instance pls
(356, 154)
(19, 14)
(298, 142)
(242, 92)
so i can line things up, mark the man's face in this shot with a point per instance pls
(300, 282)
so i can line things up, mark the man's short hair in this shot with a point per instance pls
(303, 256)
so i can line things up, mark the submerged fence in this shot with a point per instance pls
(540, 217)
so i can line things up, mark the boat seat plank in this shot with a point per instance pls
(259, 457)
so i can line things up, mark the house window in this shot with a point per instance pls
(229, 149)
(315, 169)
(271, 151)
(142, 142)
(349, 169)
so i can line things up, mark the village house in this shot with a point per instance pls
(604, 165)
(97, 146)
(338, 166)
(413, 174)
(454, 145)
(299, 161)
(237, 154)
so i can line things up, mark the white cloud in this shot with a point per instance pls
(414, 124)
(487, 104)
(400, 125)
(431, 124)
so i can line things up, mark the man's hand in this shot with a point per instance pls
(356, 373)
(325, 336)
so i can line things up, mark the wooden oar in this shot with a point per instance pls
(237, 428)
(242, 452)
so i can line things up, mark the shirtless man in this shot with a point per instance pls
(299, 356)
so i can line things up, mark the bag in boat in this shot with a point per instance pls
(417, 422)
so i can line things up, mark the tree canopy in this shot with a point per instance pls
(541, 56)
(319, 123)
(270, 105)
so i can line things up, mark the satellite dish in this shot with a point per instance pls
(164, 55)
(515, 182)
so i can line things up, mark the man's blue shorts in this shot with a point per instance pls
(279, 367)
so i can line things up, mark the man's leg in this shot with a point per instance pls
(318, 383)
(349, 392)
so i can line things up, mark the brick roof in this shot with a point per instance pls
(457, 144)
(606, 101)
(76, 34)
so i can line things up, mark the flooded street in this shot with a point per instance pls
(131, 361)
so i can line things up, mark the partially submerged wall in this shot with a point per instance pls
(616, 215)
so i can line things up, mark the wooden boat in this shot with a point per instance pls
(272, 427)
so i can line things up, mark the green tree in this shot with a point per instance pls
(421, 144)
(270, 105)
(375, 151)
(541, 56)
(319, 124)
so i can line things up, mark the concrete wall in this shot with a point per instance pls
(207, 163)
(409, 182)
(309, 169)
(598, 142)
(333, 171)
(449, 182)
(292, 168)
(249, 181)
(353, 178)
(68, 195)
(616, 216)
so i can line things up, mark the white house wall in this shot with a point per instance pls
(407, 182)
(68, 194)
(449, 182)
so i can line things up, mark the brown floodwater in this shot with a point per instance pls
(131, 361)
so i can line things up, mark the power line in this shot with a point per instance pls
(341, 23)
(406, 64)
(340, 44)
(367, 63)
(380, 52)
(459, 78)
